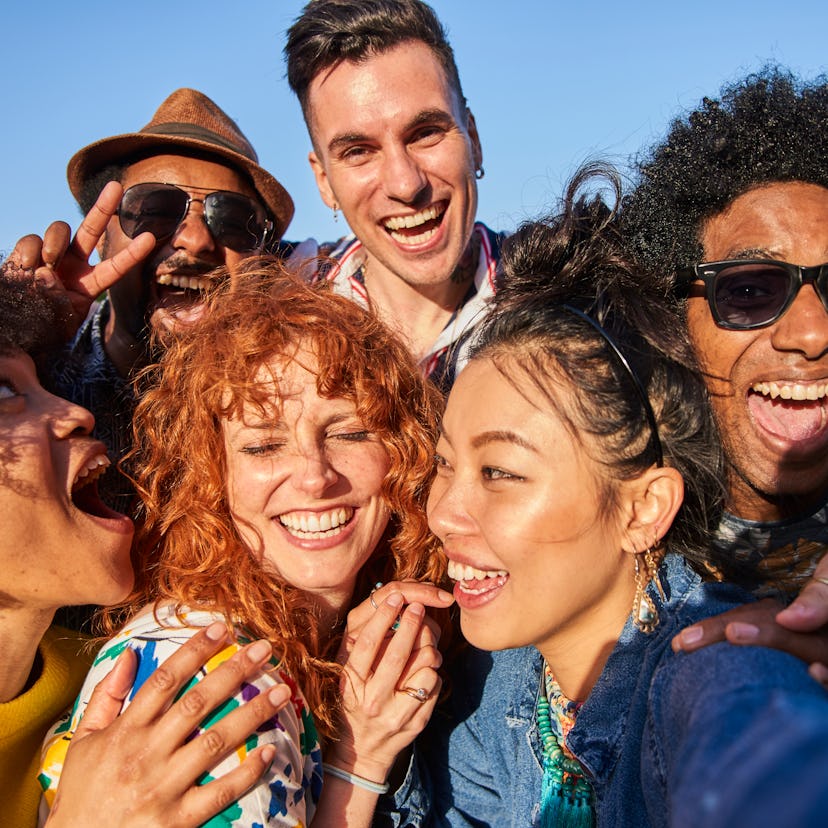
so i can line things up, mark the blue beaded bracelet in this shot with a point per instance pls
(359, 781)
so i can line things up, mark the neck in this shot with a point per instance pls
(124, 350)
(20, 634)
(748, 503)
(332, 608)
(419, 312)
(578, 654)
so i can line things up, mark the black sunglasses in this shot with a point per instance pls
(752, 293)
(234, 220)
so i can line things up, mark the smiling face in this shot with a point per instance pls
(396, 151)
(304, 483)
(769, 385)
(173, 277)
(60, 544)
(520, 507)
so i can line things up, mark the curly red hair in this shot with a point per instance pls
(188, 548)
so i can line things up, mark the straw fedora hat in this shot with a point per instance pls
(190, 120)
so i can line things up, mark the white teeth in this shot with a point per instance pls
(415, 220)
(93, 469)
(464, 572)
(188, 282)
(316, 524)
(412, 240)
(794, 391)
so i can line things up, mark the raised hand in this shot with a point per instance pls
(62, 264)
(138, 768)
(390, 684)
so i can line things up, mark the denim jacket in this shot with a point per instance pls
(725, 736)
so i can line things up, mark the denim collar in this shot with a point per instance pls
(596, 739)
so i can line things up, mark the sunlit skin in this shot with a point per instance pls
(311, 460)
(515, 494)
(137, 298)
(394, 144)
(60, 544)
(778, 450)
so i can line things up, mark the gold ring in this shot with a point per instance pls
(821, 580)
(420, 693)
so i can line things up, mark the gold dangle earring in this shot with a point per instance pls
(645, 614)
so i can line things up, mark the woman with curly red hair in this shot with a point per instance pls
(280, 478)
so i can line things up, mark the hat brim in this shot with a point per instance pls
(91, 159)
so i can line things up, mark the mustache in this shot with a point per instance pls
(183, 265)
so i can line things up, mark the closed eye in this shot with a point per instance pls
(262, 449)
(351, 436)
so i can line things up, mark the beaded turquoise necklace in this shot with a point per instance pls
(566, 795)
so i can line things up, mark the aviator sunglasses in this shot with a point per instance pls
(752, 293)
(234, 220)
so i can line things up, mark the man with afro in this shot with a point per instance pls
(730, 211)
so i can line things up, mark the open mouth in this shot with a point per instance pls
(473, 581)
(317, 525)
(85, 488)
(797, 412)
(417, 228)
(190, 288)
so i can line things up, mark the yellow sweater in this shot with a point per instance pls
(24, 721)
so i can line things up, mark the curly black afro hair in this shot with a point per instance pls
(29, 317)
(768, 127)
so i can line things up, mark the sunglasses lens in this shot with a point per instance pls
(752, 294)
(235, 221)
(154, 208)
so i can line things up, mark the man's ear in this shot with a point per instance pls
(322, 180)
(650, 504)
(474, 137)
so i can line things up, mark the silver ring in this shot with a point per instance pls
(821, 580)
(420, 693)
(371, 595)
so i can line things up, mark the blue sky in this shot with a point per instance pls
(551, 85)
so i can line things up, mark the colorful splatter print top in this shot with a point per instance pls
(286, 796)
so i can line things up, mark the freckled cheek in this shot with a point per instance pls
(248, 489)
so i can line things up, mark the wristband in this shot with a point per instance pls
(359, 781)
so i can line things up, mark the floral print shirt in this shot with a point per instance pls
(288, 793)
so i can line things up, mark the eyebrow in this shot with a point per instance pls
(496, 436)
(425, 116)
(500, 436)
(751, 253)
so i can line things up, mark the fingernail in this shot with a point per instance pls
(417, 610)
(692, 635)
(258, 650)
(268, 755)
(278, 694)
(216, 631)
(741, 631)
(445, 597)
(395, 599)
(795, 611)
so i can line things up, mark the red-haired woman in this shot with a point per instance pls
(283, 455)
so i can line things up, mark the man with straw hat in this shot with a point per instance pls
(191, 179)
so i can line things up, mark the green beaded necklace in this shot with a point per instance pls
(566, 795)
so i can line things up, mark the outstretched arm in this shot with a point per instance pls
(800, 629)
